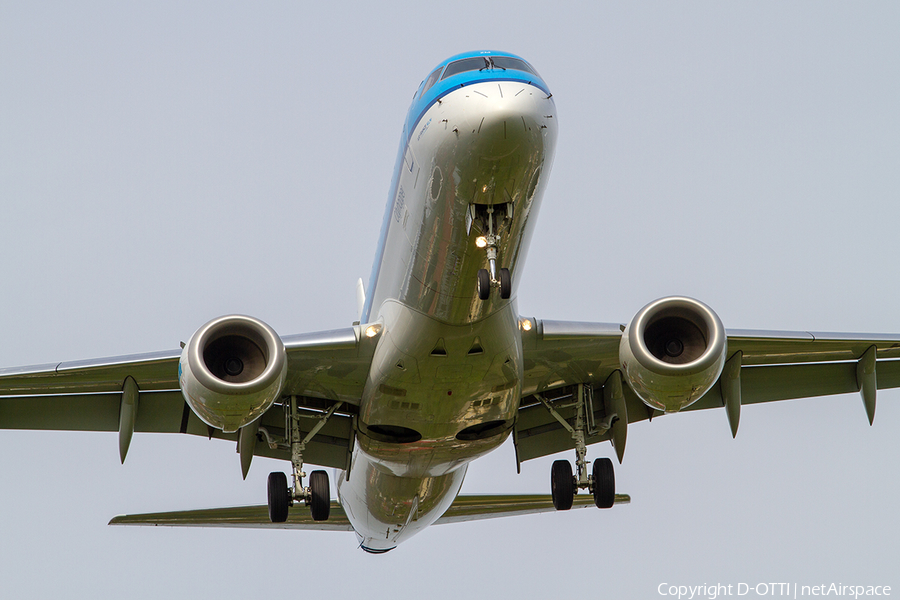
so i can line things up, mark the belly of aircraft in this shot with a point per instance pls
(438, 396)
(385, 509)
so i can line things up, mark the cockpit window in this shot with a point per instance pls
(432, 79)
(507, 62)
(461, 66)
(487, 63)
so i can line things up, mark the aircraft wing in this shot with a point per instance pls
(323, 368)
(331, 366)
(464, 508)
(773, 365)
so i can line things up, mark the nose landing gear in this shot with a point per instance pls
(491, 276)
(485, 281)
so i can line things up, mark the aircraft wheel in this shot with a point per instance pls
(484, 284)
(505, 284)
(320, 495)
(604, 483)
(279, 497)
(562, 485)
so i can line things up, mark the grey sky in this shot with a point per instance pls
(161, 165)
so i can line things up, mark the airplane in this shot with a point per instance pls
(440, 368)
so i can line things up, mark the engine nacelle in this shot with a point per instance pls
(232, 370)
(673, 352)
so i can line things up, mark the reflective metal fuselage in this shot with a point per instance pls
(445, 380)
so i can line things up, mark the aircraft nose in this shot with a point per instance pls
(503, 132)
(499, 118)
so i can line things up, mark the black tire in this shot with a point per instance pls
(484, 284)
(505, 284)
(604, 483)
(279, 497)
(562, 485)
(320, 495)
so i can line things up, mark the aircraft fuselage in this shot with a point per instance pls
(445, 380)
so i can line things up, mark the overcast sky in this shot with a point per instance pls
(164, 164)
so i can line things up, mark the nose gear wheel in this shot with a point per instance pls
(484, 284)
(505, 284)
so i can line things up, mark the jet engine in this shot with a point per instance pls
(232, 370)
(673, 352)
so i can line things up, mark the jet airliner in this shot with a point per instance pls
(440, 367)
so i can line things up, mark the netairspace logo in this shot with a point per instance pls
(786, 590)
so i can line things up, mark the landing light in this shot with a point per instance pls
(372, 330)
(481, 241)
(526, 325)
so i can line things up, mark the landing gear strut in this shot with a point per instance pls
(563, 484)
(492, 276)
(318, 495)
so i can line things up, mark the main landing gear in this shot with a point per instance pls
(281, 497)
(601, 482)
(317, 495)
(491, 276)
